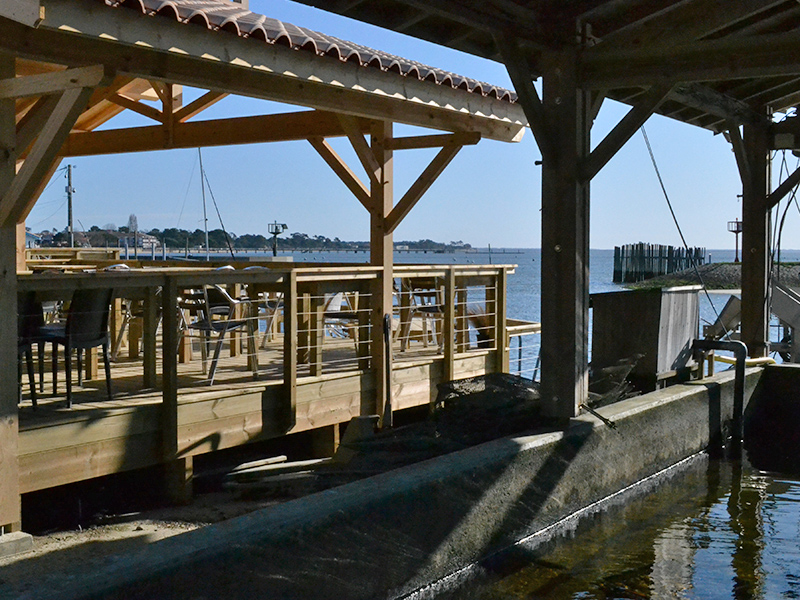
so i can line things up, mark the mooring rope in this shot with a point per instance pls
(680, 231)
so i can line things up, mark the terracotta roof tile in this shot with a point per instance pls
(230, 17)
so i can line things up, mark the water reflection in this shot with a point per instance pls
(713, 530)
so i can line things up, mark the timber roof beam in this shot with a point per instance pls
(624, 130)
(164, 50)
(284, 127)
(721, 59)
(732, 61)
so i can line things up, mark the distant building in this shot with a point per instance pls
(32, 240)
(142, 240)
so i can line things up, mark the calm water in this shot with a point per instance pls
(524, 297)
(713, 530)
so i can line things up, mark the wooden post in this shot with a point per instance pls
(500, 335)
(303, 314)
(462, 324)
(234, 337)
(10, 510)
(448, 328)
(755, 241)
(290, 347)
(325, 441)
(22, 264)
(91, 366)
(135, 327)
(115, 321)
(565, 239)
(177, 469)
(405, 313)
(381, 254)
(149, 328)
(316, 328)
(364, 317)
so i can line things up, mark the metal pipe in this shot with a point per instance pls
(739, 350)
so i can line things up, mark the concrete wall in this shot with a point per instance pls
(394, 533)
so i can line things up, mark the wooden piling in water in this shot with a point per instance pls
(637, 262)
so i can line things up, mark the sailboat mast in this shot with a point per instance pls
(70, 191)
(203, 189)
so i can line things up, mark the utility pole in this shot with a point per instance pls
(70, 191)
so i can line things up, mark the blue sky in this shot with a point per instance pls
(490, 194)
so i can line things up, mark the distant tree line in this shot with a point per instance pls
(217, 238)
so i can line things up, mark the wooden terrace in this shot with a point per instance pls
(303, 368)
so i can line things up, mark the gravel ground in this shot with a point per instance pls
(70, 552)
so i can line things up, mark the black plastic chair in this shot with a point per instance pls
(86, 327)
(30, 319)
(217, 315)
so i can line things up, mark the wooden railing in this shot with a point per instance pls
(303, 378)
(467, 313)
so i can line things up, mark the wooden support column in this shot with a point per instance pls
(178, 469)
(20, 259)
(500, 335)
(316, 330)
(448, 326)
(10, 511)
(381, 255)
(149, 330)
(755, 240)
(290, 349)
(565, 239)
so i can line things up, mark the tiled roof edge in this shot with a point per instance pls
(227, 16)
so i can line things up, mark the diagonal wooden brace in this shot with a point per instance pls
(44, 151)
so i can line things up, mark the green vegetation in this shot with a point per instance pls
(217, 238)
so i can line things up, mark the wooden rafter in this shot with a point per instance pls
(726, 58)
(219, 132)
(742, 160)
(681, 23)
(137, 107)
(450, 145)
(175, 54)
(783, 189)
(100, 109)
(34, 120)
(162, 90)
(42, 155)
(420, 186)
(623, 131)
(50, 83)
(598, 97)
(197, 106)
(360, 146)
(708, 100)
(439, 140)
(520, 74)
(339, 166)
